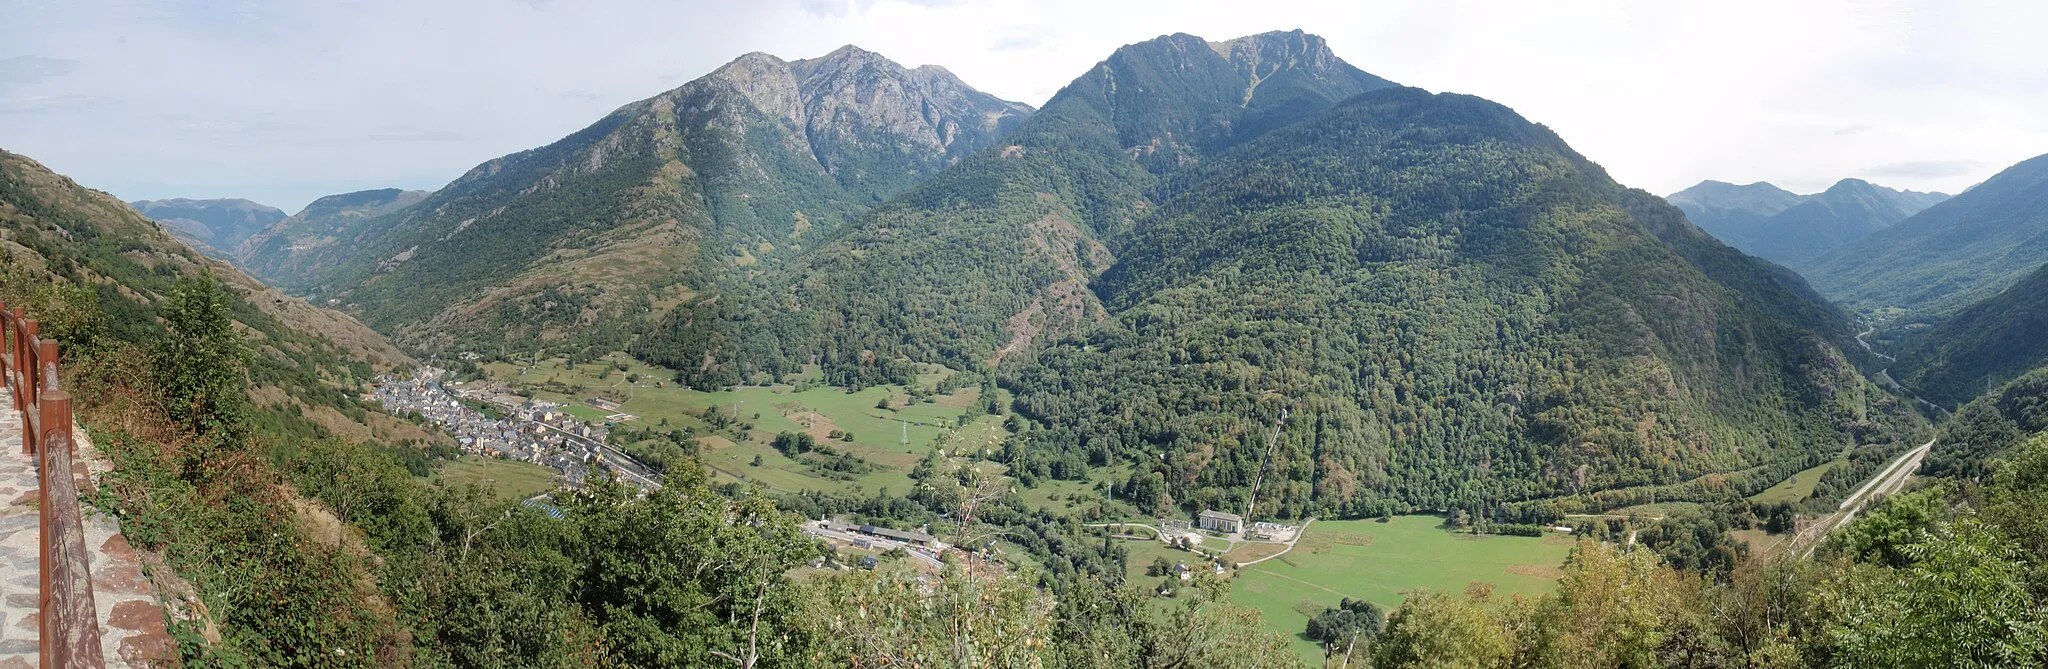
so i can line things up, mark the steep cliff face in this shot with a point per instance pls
(659, 200)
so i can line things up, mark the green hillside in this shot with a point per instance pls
(1457, 309)
(1980, 347)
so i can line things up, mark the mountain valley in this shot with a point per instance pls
(1230, 354)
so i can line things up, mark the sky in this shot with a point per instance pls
(283, 101)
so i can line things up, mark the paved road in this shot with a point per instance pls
(1885, 375)
(1888, 481)
(1866, 344)
(1290, 543)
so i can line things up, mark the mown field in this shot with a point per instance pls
(1367, 559)
(1797, 488)
(512, 480)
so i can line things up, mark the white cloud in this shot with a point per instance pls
(286, 101)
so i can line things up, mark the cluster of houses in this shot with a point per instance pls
(533, 431)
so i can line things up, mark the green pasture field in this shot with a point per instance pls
(512, 480)
(1367, 559)
(1797, 488)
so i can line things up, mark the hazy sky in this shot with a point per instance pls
(282, 102)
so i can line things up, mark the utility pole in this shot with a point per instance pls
(906, 433)
(1272, 439)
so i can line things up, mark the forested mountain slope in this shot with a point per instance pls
(656, 200)
(1951, 255)
(1981, 347)
(991, 257)
(1991, 424)
(278, 250)
(217, 225)
(1457, 310)
(1778, 226)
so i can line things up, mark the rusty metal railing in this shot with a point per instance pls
(69, 621)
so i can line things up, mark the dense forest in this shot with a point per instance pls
(996, 254)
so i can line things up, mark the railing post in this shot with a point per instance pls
(20, 356)
(46, 356)
(46, 378)
(28, 390)
(70, 622)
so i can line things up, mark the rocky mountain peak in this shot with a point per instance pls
(1291, 48)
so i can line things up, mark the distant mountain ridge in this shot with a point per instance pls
(278, 251)
(1777, 225)
(658, 200)
(218, 225)
(1951, 255)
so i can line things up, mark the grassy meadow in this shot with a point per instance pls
(1797, 488)
(1367, 559)
(512, 480)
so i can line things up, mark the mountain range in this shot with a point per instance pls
(216, 225)
(63, 234)
(1964, 250)
(1777, 225)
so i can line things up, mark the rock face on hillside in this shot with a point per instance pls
(995, 255)
(661, 199)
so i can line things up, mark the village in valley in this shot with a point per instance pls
(525, 430)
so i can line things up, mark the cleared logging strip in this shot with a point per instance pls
(70, 623)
